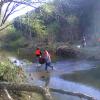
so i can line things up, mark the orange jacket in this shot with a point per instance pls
(47, 56)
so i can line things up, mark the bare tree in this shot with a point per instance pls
(11, 8)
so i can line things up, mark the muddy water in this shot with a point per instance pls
(65, 76)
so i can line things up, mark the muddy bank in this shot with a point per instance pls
(69, 52)
(89, 53)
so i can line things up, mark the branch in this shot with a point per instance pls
(1, 4)
(2, 28)
(24, 2)
(39, 1)
(12, 10)
(5, 14)
(8, 95)
(17, 10)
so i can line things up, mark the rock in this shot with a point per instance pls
(15, 61)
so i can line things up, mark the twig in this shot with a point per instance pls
(8, 95)
(2, 28)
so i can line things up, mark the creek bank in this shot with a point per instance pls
(69, 52)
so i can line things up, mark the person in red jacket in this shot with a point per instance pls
(38, 52)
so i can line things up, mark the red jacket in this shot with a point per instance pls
(38, 52)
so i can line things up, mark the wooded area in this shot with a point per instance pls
(58, 25)
(55, 19)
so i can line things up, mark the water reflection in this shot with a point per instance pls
(58, 96)
(57, 83)
(89, 77)
(47, 80)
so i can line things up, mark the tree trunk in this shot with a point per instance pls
(26, 87)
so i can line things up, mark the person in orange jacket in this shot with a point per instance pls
(47, 60)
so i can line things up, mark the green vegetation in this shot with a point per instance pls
(43, 27)
(9, 72)
(53, 24)
(56, 22)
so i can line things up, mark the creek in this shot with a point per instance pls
(71, 75)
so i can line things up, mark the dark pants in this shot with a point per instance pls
(48, 64)
(37, 58)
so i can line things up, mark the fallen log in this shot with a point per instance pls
(43, 90)
(26, 87)
(73, 94)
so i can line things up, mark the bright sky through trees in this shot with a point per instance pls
(22, 9)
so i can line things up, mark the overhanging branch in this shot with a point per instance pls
(24, 2)
(5, 17)
(2, 28)
(5, 13)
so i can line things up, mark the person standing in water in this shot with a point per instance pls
(38, 54)
(47, 60)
